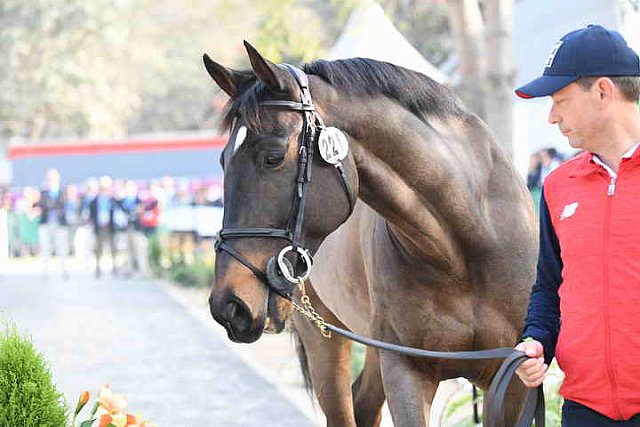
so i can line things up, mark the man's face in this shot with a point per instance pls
(578, 114)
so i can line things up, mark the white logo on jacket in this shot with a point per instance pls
(569, 210)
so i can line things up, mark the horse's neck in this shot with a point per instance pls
(421, 177)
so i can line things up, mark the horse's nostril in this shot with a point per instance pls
(238, 316)
(231, 310)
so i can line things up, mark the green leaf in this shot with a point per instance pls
(87, 423)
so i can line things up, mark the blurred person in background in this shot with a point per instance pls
(165, 190)
(215, 195)
(128, 203)
(84, 242)
(549, 161)
(541, 164)
(27, 222)
(6, 205)
(533, 174)
(181, 196)
(101, 215)
(148, 219)
(72, 216)
(120, 218)
(181, 240)
(53, 232)
(201, 196)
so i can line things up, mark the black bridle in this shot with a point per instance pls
(311, 128)
(279, 274)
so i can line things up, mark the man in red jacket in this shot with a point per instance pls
(584, 307)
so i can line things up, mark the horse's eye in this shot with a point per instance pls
(273, 159)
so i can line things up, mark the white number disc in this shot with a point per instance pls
(333, 145)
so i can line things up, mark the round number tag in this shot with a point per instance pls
(333, 145)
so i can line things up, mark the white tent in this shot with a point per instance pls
(368, 33)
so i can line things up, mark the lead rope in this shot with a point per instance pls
(534, 408)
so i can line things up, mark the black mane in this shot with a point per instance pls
(362, 77)
(358, 78)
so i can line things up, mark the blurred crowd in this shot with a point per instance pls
(102, 216)
(108, 223)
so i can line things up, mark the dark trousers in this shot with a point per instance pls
(577, 415)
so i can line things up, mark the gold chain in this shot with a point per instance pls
(308, 311)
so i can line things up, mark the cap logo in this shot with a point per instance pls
(553, 53)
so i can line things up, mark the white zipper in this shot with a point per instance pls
(612, 187)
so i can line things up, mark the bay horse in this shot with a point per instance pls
(421, 229)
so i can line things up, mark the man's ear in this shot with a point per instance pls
(606, 89)
(273, 76)
(227, 79)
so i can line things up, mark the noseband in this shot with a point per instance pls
(280, 274)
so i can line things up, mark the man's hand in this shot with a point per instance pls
(532, 371)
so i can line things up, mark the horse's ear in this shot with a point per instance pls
(273, 76)
(228, 79)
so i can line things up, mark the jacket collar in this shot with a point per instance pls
(585, 163)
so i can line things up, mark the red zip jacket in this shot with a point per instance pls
(589, 271)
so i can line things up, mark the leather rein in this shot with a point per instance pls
(279, 274)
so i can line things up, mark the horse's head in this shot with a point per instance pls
(288, 183)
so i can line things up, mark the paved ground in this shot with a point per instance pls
(156, 345)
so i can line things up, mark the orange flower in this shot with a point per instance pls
(111, 411)
(105, 420)
(118, 420)
(82, 400)
(110, 403)
(136, 421)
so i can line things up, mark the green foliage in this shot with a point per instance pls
(191, 268)
(155, 255)
(62, 69)
(553, 400)
(102, 68)
(425, 24)
(28, 397)
(289, 31)
(198, 274)
(358, 355)
(459, 408)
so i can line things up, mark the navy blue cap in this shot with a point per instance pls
(593, 51)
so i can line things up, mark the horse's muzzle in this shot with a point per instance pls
(232, 313)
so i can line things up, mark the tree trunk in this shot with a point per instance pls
(484, 53)
(468, 32)
(499, 100)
